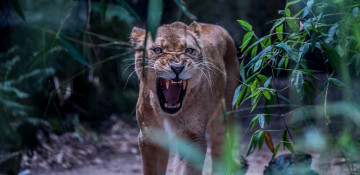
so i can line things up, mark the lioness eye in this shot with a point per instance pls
(189, 51)
(157, 50)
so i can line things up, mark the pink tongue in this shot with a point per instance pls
(172, 94)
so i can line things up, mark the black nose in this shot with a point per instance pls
(177, 68)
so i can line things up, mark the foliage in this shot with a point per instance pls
(322, 38)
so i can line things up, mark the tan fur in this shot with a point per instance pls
(213, 71)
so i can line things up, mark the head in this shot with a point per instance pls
(172, 61)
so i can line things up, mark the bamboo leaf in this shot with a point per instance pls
(259, 56)
(337, 83)
(242, 70)
(155, 9)
(73, 52)
(297, 80)
(260, 141)
(18, 9)
(261, 119)
(103, 7)
(303, 50)
(288, 50)
(276, 150)
(246, 40)
(245, 25)
(185, 10)
(269, 142)
(42, 54)
(128, 8)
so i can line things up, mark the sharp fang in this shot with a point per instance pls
(167, 84)
(184, 84)
(172, 82)
(177, 105)
(166, 105)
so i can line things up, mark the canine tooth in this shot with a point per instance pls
(167, 84)
(172, 81)
(184, 84)
(166, 105)
(177, 105)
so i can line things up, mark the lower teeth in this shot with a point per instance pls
(173, 106)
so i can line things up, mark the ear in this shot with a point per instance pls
(137, 36)
(195, 27)
(178, 24)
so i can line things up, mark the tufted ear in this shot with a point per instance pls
(138, 36)
(195, 27)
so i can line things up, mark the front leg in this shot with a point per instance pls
(154, 157)
(183, 166)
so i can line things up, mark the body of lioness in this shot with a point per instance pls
(186, 74)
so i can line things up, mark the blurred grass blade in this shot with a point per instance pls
(103, 6)
(42, 55)
(185, 10)
(186, 149)
(17, 8)
(128, 8)
(73, 52)
(154, 15)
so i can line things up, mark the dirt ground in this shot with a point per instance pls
(116, 153)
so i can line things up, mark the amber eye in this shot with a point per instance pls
(157, 50)
(190, 51)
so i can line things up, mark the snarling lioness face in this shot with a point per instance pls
(172, 59)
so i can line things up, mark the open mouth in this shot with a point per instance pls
(171, 93)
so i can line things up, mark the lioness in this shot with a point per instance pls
(188, 71)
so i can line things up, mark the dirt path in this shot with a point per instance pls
(117, 154)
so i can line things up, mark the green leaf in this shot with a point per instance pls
(333, 57)
(261, 118)
(303, 50)
(242, 70)
(103, 7)
(282, 97)
(73, 52)
(267, 82)
(276, 150)
(251, 145)
(267, 95)
(254, 51)
(297, 80)
(155, 9)
(268, 109)
(288, 50)
(42, 54)
(124, 4)
(260, 141)
(185, 10)
(255, 101)
(259, 56)
(307, 92)
(257, 65)
(289, 147)
(337, 83)
(291, 3)
(246, 40)
(256, 92)
(308, 7)
(279, 31)
(242, 95)
(295, 129)
(245, 25)
(17, 8)
(254, 44)
(236, 95)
